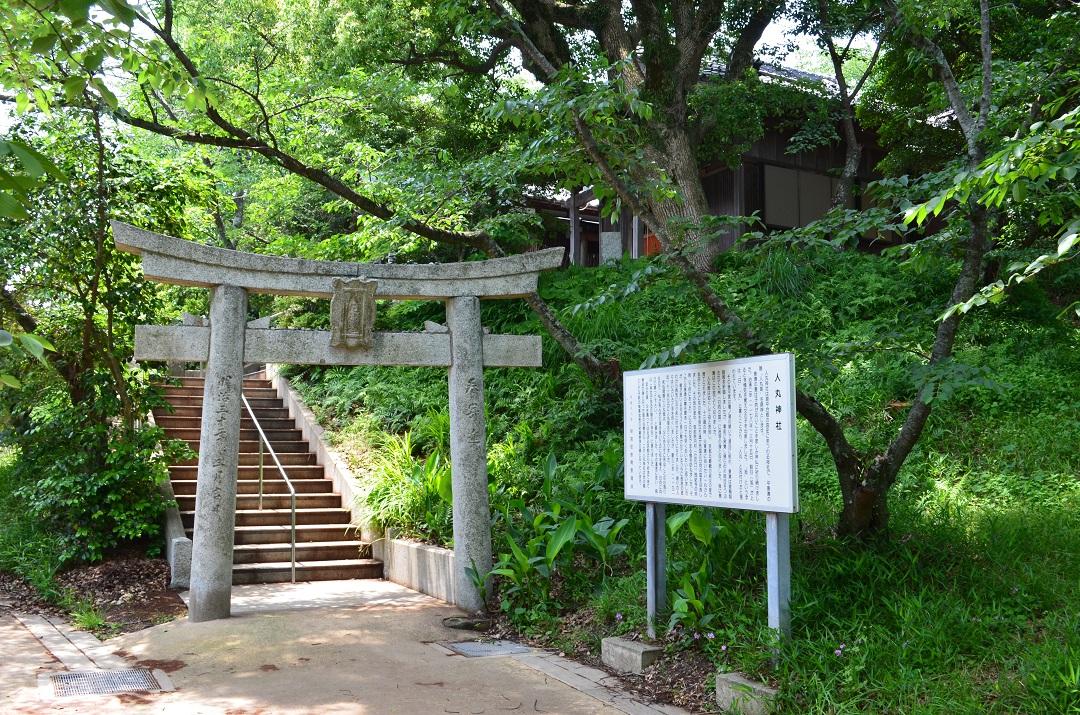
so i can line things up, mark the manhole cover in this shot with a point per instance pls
(104, 682)
(484, 649)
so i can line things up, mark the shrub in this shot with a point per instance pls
(93, 485)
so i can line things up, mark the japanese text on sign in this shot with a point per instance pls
(713, 434)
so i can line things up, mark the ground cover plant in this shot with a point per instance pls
(971, 605)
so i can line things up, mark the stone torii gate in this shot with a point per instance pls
(227, 344)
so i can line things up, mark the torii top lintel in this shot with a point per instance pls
(174, 260)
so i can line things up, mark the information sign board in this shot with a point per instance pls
(713, 434)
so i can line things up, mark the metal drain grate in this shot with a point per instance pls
(103, 682)
(486, 649)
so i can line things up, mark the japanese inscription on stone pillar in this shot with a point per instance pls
(713, 434)
(352, 313)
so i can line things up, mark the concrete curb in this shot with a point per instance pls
(77, 650)
(736, 693)
(421, 567)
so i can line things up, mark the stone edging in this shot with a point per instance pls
(177, 543)
(421, 567)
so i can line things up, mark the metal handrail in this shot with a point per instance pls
(281, 470)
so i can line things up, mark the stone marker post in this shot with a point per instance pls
(219, 446)
(468, 449)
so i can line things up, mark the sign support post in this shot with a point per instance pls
(655, 562)
(778, 571)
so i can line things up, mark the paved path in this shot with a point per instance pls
(353, 647)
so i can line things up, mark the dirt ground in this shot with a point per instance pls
(131, 592)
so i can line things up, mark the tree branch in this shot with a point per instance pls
(446, 57)
(742, 51)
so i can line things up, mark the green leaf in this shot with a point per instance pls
(29, 154)
(519, 555)
(549, 466)
(1067, 242)
(77, 10)
(32, 345)
(676, 521)
(106, 94)
(5, 338)
(73, 88)
(10, 207)
(29, 158)
(701, 526)
(120, 10)
(10, 380)
(444, 484)
(43, 44)
(562, 536)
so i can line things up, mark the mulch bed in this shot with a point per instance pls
(680, 677)
(131, 591)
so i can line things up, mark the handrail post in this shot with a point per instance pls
(260, 471)
(293, 554)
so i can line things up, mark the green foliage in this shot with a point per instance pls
(28, 548)
(87, 470)
(92, 501)
(85, 615)
(28, 343)
(1033, 178)
(15, 183)
(411, 497)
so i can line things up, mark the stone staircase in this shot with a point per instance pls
(326, 543)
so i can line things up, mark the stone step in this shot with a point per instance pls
(194, 422)
(278, 534)
(257, 403)
(251, 446)
(179, 393)
(186, 487)
(281, 517)
(311, 551)
(329, 500)
(249, 459)
(196, 411)
(307, 571)
(326, 544)
(250, 434)
(251, 471)
(248, 382)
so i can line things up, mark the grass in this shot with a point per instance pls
(26, 549)
(962, 611)
(86, 616)
(955, 613)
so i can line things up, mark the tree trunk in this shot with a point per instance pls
(700, 247)
(865, 512)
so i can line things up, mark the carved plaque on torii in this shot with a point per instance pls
(352, 313)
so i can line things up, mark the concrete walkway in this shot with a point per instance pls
(353, 647)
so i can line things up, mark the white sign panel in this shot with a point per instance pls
(713, 434)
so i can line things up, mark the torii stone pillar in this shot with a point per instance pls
(468, 449)
(219, 447)
(225, 346)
